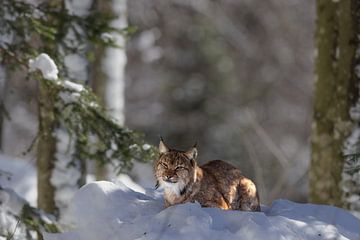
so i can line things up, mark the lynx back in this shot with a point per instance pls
(215, 184)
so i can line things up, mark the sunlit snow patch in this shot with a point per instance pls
(46, 65)
(104, 210)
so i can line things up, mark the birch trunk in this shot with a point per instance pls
(107, 77)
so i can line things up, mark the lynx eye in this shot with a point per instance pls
(164, 165)
(179, 168)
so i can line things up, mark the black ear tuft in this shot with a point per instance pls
(192, 153)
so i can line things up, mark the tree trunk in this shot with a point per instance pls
(98, 81)
(107, 77)
(46, 148)
(336, 90)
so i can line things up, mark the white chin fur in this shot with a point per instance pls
(174, 188)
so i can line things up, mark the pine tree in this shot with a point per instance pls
(90, 132)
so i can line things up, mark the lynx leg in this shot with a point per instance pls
(249, 198)
(221, 204)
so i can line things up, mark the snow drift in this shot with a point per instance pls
(105, 211)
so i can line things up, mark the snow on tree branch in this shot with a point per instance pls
(96, 134)
(46, 65)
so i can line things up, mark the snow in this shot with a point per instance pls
(46, 65)
(10, 206)
(146, 147)
(355, 110)
(66, 174)
(19, 176)
(103, 210)
(11, 201)
(77, 67)
(73, 86)
(128, 182)
(69, 97)
(78, 8)
(143, 174)
(350, 176)
(76, 64)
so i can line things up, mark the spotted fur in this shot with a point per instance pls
(215, 184)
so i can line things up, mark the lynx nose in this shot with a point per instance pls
(171, 179)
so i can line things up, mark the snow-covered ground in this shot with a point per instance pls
(108, 211)
(103, 210)
(20, 176)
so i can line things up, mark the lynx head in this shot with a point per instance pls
(175, 170)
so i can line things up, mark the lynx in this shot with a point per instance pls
(214, 184)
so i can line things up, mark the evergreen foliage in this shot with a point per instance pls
(28, 30)
(36, 220)
(97, 136)
(28, 222)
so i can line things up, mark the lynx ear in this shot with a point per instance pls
(162, 147)
(192, 153)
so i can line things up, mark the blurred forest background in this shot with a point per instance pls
(235, 76)
(270, 86)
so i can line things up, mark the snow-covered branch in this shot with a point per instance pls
(18, 220)
(97, 135)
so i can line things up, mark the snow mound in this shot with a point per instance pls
(104, 210)
(46, 65)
